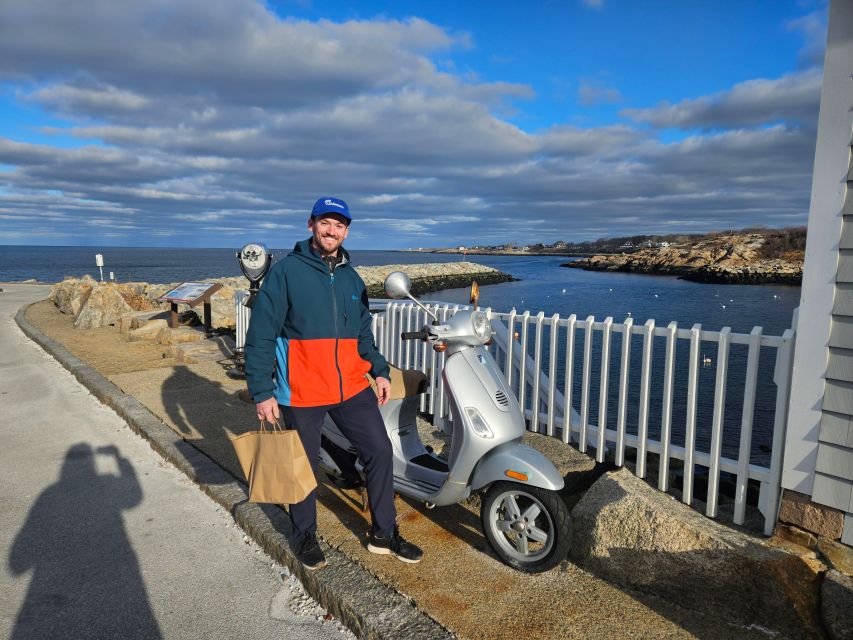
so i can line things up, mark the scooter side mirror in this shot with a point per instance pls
(397, 285)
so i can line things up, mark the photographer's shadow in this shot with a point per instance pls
(204, 412)
(86, 581)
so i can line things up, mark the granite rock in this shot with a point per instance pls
(837, 605)
(725, 259)
(635, 536)
(104, 306)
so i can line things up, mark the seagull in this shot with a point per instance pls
(564, 290)
(656, 295)
(723, 306)
(610, 289)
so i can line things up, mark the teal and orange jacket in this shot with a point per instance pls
(309, 341)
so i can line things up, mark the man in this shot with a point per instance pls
(308, 348)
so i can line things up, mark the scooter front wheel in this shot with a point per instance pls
(528, 527)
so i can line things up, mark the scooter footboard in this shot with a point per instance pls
(522, 461)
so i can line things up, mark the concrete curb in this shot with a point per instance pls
(370, 608)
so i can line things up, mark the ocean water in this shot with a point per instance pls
(542, 285)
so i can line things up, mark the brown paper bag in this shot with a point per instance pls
(275, 465)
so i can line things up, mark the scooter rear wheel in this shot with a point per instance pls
(528, 527)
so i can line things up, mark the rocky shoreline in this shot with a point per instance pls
(724, 259)
(97, 304)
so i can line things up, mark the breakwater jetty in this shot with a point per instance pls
(434, 276)
(722, 259)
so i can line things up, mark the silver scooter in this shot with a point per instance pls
(525, 520)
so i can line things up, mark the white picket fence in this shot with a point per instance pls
(531, 363)
(522, 353)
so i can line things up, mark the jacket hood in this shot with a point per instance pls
(303, 250)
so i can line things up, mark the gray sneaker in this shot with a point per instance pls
(396, 545)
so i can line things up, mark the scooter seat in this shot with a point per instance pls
(405, 383)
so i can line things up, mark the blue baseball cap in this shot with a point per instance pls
(331, 205)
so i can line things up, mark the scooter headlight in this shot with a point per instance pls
(481, 326)
(478, 424)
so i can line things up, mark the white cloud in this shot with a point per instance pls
(225, 114)
(792, 98)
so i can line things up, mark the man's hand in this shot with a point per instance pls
(383, 389)
(268, 410)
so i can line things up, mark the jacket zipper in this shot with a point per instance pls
(337, 333)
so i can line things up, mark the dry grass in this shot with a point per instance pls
(105, 348)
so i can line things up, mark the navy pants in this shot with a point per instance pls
(360, 421)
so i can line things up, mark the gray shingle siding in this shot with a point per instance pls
(833, 484)
(838, 397)
(847, 229)
(836, 429)
(835, 460)
(842, 304)
(840, 365)
(841, 334)
(845, 275)
(832, 492)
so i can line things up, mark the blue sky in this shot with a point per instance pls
(216, 122)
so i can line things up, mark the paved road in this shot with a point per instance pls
(100, 538)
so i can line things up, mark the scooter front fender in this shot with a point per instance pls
(513, 456)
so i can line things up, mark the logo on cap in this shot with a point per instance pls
(332, 203)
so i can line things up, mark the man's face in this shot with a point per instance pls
(329, 231)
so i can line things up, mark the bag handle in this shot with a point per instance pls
(276, 425)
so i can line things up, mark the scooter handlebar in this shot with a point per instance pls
(414, 335)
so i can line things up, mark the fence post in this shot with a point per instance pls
(782, 378)
(645, 386)
(624, 376)
(746, 424)
(666, 418)
(552, 372)
(570, 370)
(587, 367)
(522, 364)
(602, 397)
(510, 342)
(690, 426)
(717, 425)
(537, 375)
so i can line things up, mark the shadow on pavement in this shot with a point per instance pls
(204, 411)
(86, 581)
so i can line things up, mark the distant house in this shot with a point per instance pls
(818, 465)
(627, 245)
(663, 244)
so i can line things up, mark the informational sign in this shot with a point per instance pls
(190, 293)
(187, 292)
